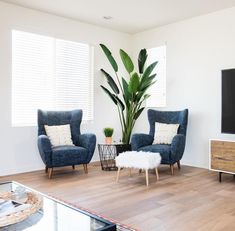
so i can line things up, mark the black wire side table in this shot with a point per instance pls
(108, 152)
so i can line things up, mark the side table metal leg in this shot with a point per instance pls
(220, 177)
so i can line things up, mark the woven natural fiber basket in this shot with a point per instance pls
(32, 198)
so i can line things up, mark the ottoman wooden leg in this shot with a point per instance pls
(118, 173)
(147, 177)
(129, 172)
(156, 170)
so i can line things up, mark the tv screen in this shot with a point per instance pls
(228, 101)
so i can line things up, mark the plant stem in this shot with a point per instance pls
(120, 118)
(119, 83)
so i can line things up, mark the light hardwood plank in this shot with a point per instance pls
(191, 199)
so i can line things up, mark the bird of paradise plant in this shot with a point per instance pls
(129, 94)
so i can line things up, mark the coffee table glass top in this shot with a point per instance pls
(56, 215)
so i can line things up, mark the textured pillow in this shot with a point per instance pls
(164, 133)
(59, 135)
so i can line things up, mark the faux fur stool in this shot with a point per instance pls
(140, 160)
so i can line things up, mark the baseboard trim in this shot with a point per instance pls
(95, 163)
(25, 169)
(8, 172)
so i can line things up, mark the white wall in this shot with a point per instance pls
(197, 50)
(18, 149)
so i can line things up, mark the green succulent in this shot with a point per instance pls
(108, 132)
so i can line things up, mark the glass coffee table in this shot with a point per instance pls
(56, 215)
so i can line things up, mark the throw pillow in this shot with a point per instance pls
(59, 135)
(164, 133)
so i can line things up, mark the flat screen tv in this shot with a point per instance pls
(228, 101)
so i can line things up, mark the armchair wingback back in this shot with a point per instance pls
(64, 155)
(170, 153)
(169, 117)
(51, 118)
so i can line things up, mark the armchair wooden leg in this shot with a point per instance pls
(172, 169)
(73, 166)
(46, 169)
(50, 170)
(85, 168)
(178, 164)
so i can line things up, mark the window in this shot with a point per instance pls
(49, 74)
(158, 89)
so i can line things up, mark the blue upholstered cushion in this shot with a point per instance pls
(163, 149)
(68, 155)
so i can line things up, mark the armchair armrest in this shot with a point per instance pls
(44, 146)
(88, 141)
(139, 140)
(177, 147)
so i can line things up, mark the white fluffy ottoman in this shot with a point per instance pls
(139, 160)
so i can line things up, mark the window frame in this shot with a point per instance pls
(163, 93)
(89, 119)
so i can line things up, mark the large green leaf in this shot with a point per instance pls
(112, 96)
(148, 86)
(134, 83)
(149, 70)
(137, 114)
(109, 57)
(127, 61)
(142, 91)
(111, 82)
(120, 103)
(146, 96)
(139, 95)
(125, 88)
(127, 101)
(141, 60)
(146, 81)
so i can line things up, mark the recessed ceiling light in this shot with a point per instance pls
(107, 17)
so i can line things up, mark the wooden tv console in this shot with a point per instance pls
(222, 156)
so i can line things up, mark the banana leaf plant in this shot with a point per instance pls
(128, 94)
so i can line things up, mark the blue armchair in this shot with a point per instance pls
(172, 153)
(58, 156)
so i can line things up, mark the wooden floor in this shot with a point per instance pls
(192, 199)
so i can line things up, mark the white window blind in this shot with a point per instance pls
(49, 74)
(158, 89)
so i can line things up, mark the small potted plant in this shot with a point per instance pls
(108, 132)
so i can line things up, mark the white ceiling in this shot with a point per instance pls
(131, 16)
